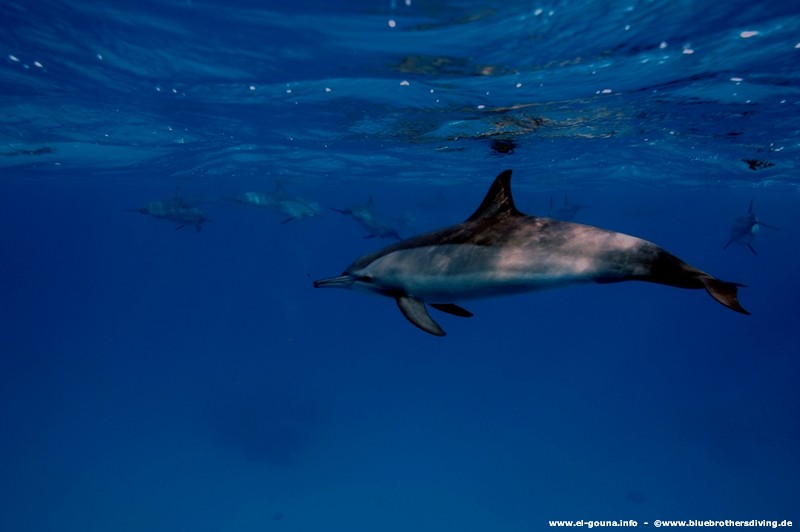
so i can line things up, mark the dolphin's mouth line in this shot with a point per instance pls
(342, 281)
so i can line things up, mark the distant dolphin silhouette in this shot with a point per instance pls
(175, 210)
(293, 208)
(499, 251)
(370, 220)
(745, 228)
(566, 212)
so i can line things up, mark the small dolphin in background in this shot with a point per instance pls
(745, 228)
(370, 220)
(566, 212)
(293, 208)
(175, 210)
(501, 251)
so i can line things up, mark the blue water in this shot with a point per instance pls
(160, 379)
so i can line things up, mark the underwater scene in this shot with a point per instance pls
(399, 265)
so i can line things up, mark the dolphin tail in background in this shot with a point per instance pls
(724, 292)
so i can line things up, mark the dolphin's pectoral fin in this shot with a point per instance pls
(414, 310)
(452, 308)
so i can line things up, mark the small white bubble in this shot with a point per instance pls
(431, 91)
(100, 57)
(288, 91)
(13, 58)
(392, 23)
(158, 89)
(37, 64)
(518, 85)
(404, 83)
(627, 27)
(481, 106)
(688, 51)
(607, 91)
(174, 91)
(663, 45)
(737, 80)
(327, 89)
(538, 12)
(252, 87)
(797, 46)
(748, 34)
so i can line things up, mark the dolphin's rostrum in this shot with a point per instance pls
(500, 251)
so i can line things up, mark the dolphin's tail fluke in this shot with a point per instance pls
(724, 292)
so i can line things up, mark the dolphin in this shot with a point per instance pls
(293, 208)
(566, 212)
(370, 220)
(501, 251)
(745, 228)
(176, 210)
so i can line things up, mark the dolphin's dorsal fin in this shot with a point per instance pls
(498, 201)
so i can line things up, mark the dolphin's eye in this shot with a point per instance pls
(366, 279)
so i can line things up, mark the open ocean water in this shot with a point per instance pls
(154, 379)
